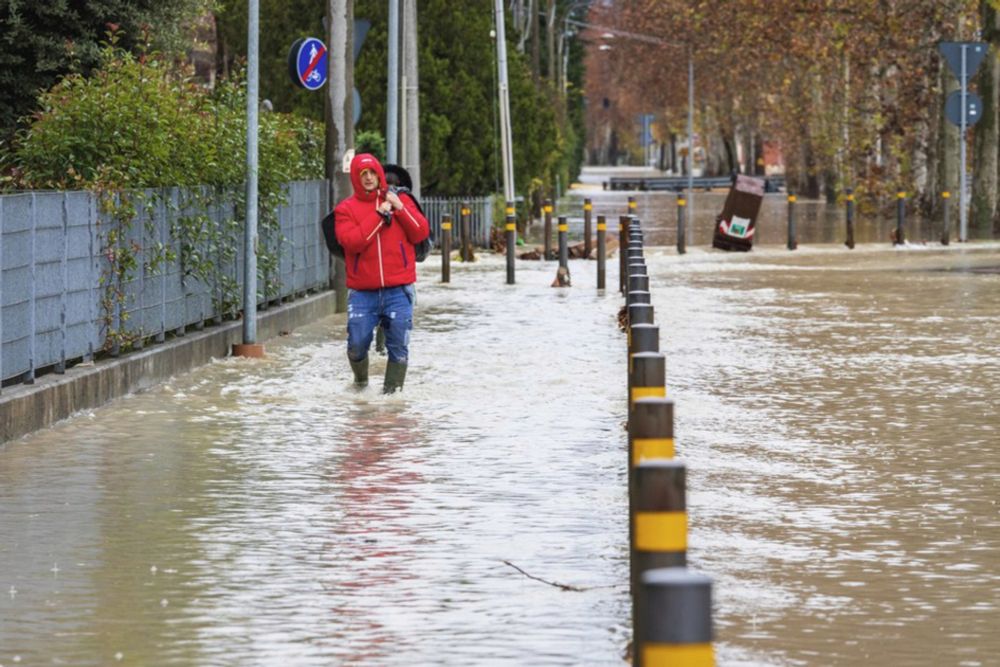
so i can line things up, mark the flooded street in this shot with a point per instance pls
(837, 411)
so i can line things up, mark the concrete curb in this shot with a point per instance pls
(28, 408)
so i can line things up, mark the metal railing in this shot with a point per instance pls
(481, 217)
(54, 271)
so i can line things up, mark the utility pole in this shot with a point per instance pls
(392, 86)
(339, 116)
(249, 347)
(411, 75)
(505, 132)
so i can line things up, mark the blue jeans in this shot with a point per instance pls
(390, 307)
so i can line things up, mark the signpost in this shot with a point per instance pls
(963, 109)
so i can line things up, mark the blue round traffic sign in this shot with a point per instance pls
(307, 63)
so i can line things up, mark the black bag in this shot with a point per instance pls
(332, 244)
(422, 249)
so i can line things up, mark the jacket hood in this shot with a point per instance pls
(361, 162)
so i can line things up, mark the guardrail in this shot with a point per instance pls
(480, 216)
(53, 272)
(680, 183)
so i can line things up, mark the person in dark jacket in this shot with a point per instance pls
(378, 230)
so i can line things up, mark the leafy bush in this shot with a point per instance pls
(139, 122)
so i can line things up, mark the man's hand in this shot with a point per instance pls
(393, 199)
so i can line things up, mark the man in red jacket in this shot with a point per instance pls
(378, 231)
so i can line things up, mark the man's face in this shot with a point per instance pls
(369, 180)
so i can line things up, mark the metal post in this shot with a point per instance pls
(1, 294)
(963, 214)
(681, 234)
(793, 242)
(411, 92)
(563, 243)
(392, 86)
(946, 231)
(631, 205)
(623, 222)
(602, 233)
(850, 218)
(587, 209)
(900, 237)
(250, 231)
(446, 248)
(511, 229)
(64, 269)
(690, 131)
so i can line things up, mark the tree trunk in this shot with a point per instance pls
(551, 37)
(984, 166)
(536, 52)
(340, 113)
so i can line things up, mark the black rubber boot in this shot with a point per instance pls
(360, 369)
(395, 373)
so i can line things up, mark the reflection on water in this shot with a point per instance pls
(836, 409)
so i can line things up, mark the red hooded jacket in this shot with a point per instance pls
(377, 255)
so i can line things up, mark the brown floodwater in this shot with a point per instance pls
(837, 411)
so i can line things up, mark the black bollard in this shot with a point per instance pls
(793, 242)
(850, 218)
(946, 212)
(638, 296)
(511, 229)
(681, 231)
(466, 231)
(563, 243)
(631, 205)
(602, 233)
(623, 222)
(640, 313)
(674, 619)
(587, 211)
(900, 236)
(547, 231)
(446, 248)
(638, 282)
(640, 338)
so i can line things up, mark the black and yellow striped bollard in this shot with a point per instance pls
(900, 237)
(681, 232)
(511, 232)
(563, 243)
(675, 619)
(547, 230)
(602, 241)
(465, 229)
(651, 429)
(946, 222)
(849, 217)
(446, 248)
(631, 205)
(659, 526)
(793, 242)
(648, 373)
(588, 208)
